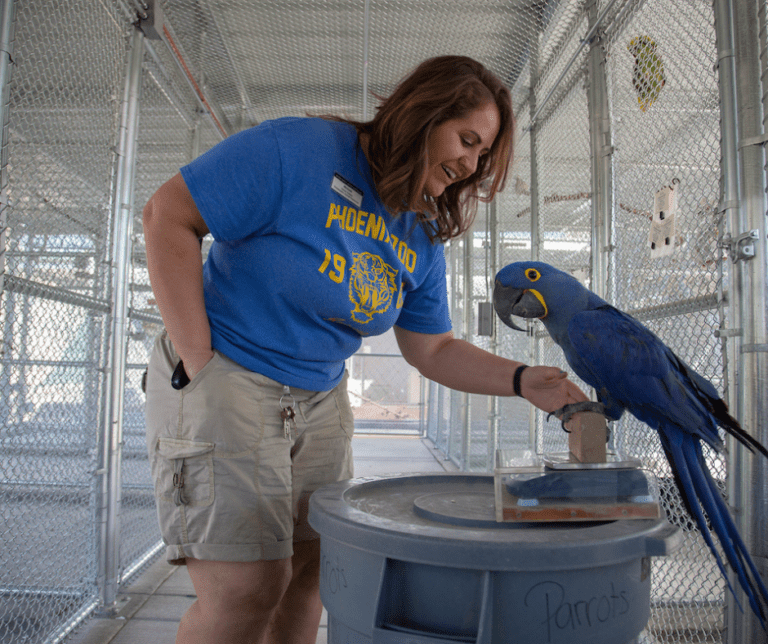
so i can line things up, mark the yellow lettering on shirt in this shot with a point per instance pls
(339, 263)
(410, 260)
(374, 226)
(349, 219)
(400, 298)
(402, 251)
(335, 214)
(326, 261)
(361, 216)
(369, 224)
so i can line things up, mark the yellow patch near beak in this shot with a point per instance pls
(540, 298)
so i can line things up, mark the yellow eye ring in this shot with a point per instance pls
(532, 274)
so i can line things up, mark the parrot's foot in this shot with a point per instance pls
(567, 412)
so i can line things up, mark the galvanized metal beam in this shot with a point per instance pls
(743, 203)
(7, 15)
(750, 489)
(109, 473)
(601, 156)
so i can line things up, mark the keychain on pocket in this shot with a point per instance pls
(287, 412)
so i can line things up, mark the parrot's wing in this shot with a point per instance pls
(630, 367)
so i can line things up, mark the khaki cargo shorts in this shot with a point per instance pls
(229, 484)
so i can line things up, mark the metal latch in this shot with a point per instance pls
(741, 248)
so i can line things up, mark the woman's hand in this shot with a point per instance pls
(549, 389)
(194, 364)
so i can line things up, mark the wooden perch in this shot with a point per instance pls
(588, 437)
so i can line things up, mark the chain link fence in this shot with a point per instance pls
(55, 300)
(665, 122)
(387, 394)
(660, 66)
(60, 253)
(222, 65)
(66, 103)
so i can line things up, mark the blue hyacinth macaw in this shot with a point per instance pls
(631, 369)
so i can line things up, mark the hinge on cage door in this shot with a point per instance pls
(741, 248)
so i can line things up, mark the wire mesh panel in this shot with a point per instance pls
(295, 57)
(545, 210)
(437, 429)
(665, 122)
(456, 260)
(224, 65)
(480, 424)
(386, 393)
(514, 241)
(53, 310)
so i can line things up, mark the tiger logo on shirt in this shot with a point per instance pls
(371, 286)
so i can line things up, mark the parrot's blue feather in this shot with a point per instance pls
(735, 550)
(619, 354)
(677, 456)
(632, 370)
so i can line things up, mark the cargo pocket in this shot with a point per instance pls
(185, 471)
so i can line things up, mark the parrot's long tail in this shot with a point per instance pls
(700, 492)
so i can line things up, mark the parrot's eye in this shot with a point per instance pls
(532, 274)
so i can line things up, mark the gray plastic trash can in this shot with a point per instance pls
(420, 559)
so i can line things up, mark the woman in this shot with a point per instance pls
(324, 231)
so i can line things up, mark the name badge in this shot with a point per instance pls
(349, 191)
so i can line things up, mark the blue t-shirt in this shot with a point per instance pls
(305, 259)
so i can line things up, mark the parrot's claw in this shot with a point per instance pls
(567, 412)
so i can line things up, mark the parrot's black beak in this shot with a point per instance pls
(509, 301)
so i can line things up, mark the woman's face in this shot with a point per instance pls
(454, 147)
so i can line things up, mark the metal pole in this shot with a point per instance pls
(467, 247)
(433, 419)
(734, 223)
(533, 134)
(422, 407)
(110, 470)
(601, 158)
(493, 401)
(453, 273)
(7, 15)
(535, 222)
(761, 432)
(366, 30)
(753, 357)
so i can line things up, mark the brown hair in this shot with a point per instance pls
(439, 89)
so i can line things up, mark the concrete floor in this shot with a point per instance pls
(151, 607)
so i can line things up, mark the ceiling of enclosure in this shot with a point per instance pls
(228, 65)
(268, 58)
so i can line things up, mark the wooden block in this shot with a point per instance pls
(587, 440)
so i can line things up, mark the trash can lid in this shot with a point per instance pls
(449, 519)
